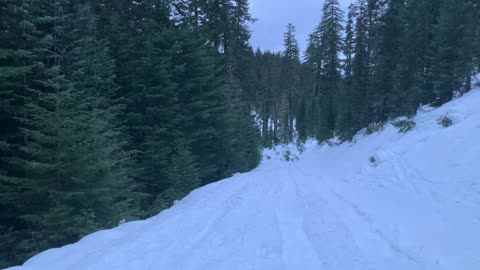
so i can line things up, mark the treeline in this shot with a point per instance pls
(382, 60)
(112, 110)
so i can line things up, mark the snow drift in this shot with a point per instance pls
(389, 201)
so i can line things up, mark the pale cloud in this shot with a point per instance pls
(274, 15)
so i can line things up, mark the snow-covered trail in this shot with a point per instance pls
(417, 208)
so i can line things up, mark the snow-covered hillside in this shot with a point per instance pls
(416, 207)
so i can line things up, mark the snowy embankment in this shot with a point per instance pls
(416, 207)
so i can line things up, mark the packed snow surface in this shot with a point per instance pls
(416, 207)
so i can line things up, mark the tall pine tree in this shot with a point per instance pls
(331, 46)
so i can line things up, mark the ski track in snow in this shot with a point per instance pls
(418, 208)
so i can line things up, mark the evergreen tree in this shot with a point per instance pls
(183, 175)
(290, 83)
(74, 177)
(451, 50)
(106, 164)
(345, 117)
(331, 47)
(17, 62)
(410, 88)
(385, 61)
(39, 158)
(153, 111)
(476, 42)
(206, 118)
(360, 68)
(313, 65)
(267, 79)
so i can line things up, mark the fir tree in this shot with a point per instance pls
(290, 82)
(386, 60)
(183, 175)
(345, 117)
(409, 87)
(106, 164)
(451, 51)
(154, 111)
(17, 62)
(331, 47)
(313, 64)
(360, 68)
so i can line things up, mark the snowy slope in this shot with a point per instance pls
(418, 208)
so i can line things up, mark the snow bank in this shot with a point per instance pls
(389, 201)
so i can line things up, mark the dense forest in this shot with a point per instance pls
(111, 110)
(379, 61)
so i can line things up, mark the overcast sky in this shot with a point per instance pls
(274, 15)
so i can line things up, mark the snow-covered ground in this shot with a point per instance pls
(417, 207)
